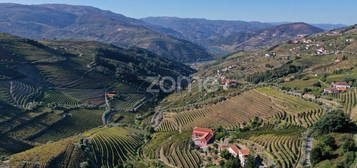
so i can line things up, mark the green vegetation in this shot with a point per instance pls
(335, 121)
(334, 150)
(273, 74)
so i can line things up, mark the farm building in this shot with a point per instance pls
(229, 83)
(338, 87)
(111, 95)
(341, 85)
(235, 151)
(202, 136)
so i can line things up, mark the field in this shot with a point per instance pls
(113, 146)
(174, 149)
(264, 103)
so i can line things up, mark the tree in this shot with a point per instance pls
(316, 156)
(348, 145)
(328, 141)
(233, 163)
(251, 162)
(225, 154)
(317, 84)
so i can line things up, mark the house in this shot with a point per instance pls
(338, 60)
(331, 90)
(341, 85)
(349, 40)
(241, 153)
(272, 54)
(202, 136)
(321, 51)
(338, 87)
(335, 90)
(229, 83)
(233, 150)
(111, 95)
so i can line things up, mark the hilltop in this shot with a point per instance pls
(89, 23)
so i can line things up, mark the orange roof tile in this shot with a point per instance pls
(245, 151)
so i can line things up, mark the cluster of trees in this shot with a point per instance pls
(327, 148)
(335, 121)
(282, 71)
(234, 162)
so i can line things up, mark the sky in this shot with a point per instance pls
(310, 11)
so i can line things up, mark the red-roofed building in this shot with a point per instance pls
(338, 87)
(111, 95)
(202, 136)
(241, 153)
(234, 150)
(341, 85)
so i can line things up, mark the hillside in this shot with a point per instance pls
(48, 87)
(89, 23)
(286, 99)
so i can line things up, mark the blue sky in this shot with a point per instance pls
(311, 11)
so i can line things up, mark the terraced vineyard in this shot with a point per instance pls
(72, 125)
(7, 112)
(305, 119)
(19, 94)
(29, 130)
(67, 78)
(284, 150)
(349, 100)
(265, 103)
(86, 96)
(174, 150)
(59, 99)
(128, 102)
(42, 155)
(113, 146)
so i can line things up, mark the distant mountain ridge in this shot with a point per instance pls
(56, 21)
(265, 38)
(201, 30)
(228, 36)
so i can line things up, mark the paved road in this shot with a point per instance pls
(308, 148)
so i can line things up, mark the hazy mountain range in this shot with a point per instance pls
(181, 39)
(89, 23)
(229, 36)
